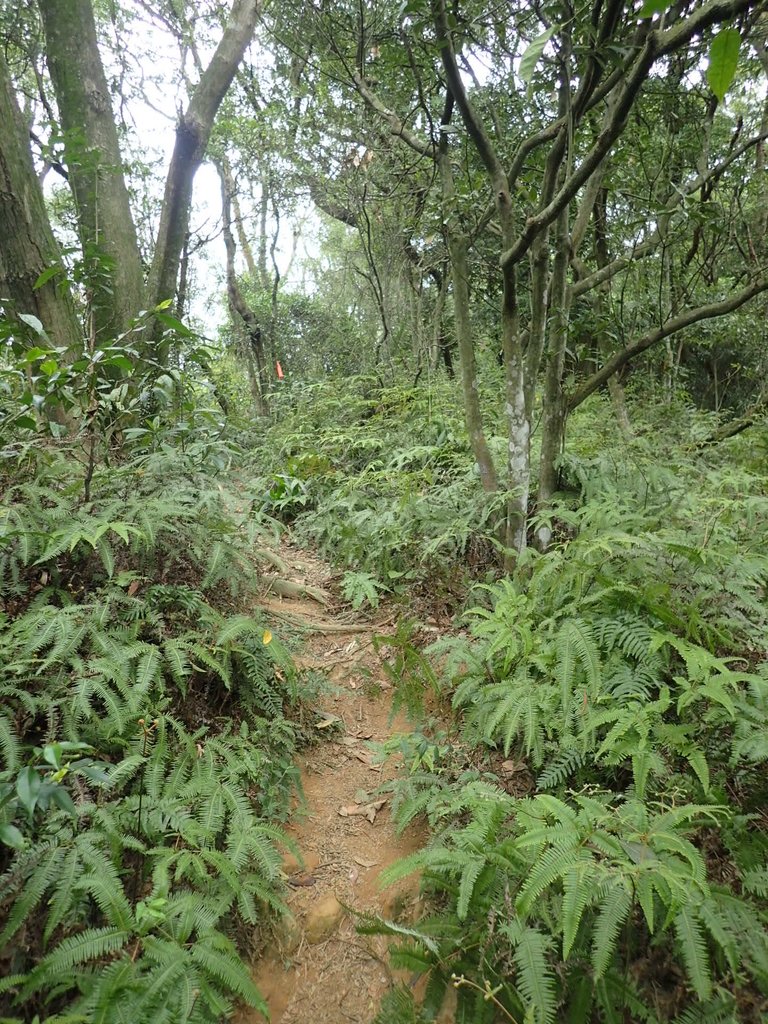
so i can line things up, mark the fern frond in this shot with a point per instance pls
(614, 909)
(553, 864)
(535, 980)
(91, 944)
(693, 949)
(38, 870)
(9, 745)
(225, 968)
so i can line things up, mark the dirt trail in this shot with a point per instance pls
(319, 970)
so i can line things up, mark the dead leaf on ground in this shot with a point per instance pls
(365, 757)
(365, 863)
(368, 811)
(302, 880)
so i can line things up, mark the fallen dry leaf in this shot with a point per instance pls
(302, 880)
(365, 863)
(368, 811)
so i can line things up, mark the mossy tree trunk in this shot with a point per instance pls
(95, 166)
(28, 246)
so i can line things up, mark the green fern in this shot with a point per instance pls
(694, 952)
(535, 979)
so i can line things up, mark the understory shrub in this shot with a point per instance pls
(614, 867)
(146, 741)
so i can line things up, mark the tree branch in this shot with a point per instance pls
(657, 44)
(673, 326)
(646, 248)
(192, 135)
(396, 126)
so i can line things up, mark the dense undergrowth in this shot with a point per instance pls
(595, 785)
(599, 845)
(147, 719)
(380, 480)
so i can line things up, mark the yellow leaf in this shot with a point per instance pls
(267, 638)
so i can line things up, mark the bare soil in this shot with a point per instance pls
(318, 969)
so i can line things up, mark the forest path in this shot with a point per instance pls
(318, 970)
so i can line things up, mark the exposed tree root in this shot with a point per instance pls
(287, 588)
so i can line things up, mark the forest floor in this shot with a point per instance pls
(317, 969)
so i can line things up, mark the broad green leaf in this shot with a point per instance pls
(52, 754)
(61, 797)
(723, 59)
(172, 323)
(49, 367)
(47, 274)
(31, 321)
(28, 788)
(121, 362)
(33, 354)
(530, 58)
(651, 7)
(10, 836)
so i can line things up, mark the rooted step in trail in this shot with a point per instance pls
(318, 969)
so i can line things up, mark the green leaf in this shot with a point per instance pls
(33, 322)
(33, 354)
(171, 323)
(121, 362)
(10, 836)
(723, 59)
(651, 7)
(49, 367)
(694, 952)
(47, 274)
(530, 58)
(60, 796)
(28, 789)
(52, 754)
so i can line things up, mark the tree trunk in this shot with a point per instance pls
(28, 246)
(602, 297)
(457, 249)
(239, 308)
(92, 154)
(192, 135)
(553, 417)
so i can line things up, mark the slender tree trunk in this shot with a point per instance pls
(192, 135)
(602, 298)
(245, 245)
(554, 411)
(239, 308)
(94, 163)
(263, 278)
(28, 247)
(518, 423)
(457, 249)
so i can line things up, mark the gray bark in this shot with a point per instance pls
(28, 246)
(457, 245)
(239, 308)
(192, 135)
(94, 163)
